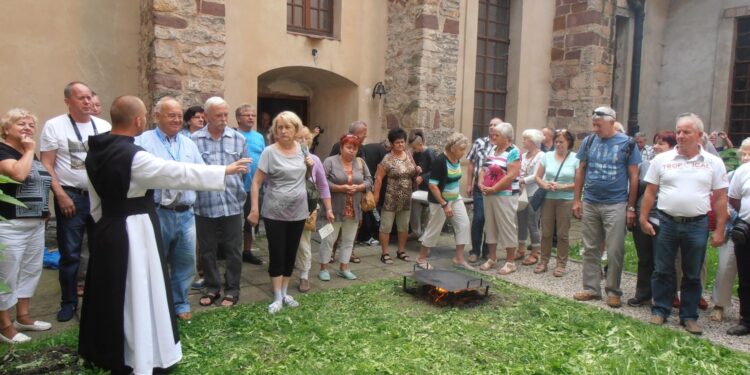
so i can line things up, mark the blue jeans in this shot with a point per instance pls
(477, 225)
(69, 239)
(690, 238)
(178, 237)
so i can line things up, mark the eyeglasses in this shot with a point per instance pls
(600, 113)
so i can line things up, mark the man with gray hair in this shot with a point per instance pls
(218, 215)
(609, 173)
(64, 147)
(358, 128)
(476, 156)
(684, 180)
(647, 151)
(174, 207)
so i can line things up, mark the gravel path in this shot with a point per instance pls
(567, 285)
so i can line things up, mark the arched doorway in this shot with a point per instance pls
(319, 97)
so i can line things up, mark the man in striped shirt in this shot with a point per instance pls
(479, 151)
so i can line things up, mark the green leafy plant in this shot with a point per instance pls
(4, 198)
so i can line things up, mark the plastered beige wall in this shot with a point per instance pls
(529, 64)
(256, 45)
(48, 43)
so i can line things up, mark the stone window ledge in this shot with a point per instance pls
(313, 36)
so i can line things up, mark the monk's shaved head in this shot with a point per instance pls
(125, 109)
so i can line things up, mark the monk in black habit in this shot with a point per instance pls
(127, 317)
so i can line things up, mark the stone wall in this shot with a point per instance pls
(185, 42)
(421, 66)
(582, 62)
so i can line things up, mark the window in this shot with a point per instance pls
(739, 117)
(492, 64)
(310, 16)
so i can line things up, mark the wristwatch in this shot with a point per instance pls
(444, 204)
(631, 209)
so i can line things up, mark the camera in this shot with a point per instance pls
(740, 232)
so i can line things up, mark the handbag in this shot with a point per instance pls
(367, 203)
(523, 200)
(313, 195)
(312, 221)
(538, 198)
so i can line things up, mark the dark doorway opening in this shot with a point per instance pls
(273, 105)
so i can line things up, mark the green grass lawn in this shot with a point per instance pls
(377, 328)
(631, 263)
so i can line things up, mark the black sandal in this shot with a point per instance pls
(386, 258)
(230, 298)
(403, 256)
(211, 296)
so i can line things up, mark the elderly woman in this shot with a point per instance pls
(401, 170)
(424, 157)
(348, 178)
(23, 231)
(304, 254)
(195, 119)
(664, 140)
(726, 271)
(556, 174)
(499, 184)
(446, 202)
(528, 218)
(282, 167)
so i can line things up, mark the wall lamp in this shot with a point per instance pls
(379, 90)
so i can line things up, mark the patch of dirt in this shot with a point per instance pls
(52, 360)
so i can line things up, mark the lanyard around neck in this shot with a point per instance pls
(165, 142)
(78, 132)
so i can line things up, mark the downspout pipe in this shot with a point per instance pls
(638, 8)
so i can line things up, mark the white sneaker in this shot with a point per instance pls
(373, 242)
(275, 307)
(38, 325)
(289, 301)
(17, 339)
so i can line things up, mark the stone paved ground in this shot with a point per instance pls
(256, 287)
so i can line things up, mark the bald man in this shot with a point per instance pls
(128, 322)
(174, 207)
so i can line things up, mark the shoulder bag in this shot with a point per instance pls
(538, 198)
(313, 195)
(367, 203)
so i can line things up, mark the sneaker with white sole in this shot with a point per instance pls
(372, 242)
(275, 307)
(290, 301)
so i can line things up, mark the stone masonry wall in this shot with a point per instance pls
(185, 42)
(421, 67)
(582, 62)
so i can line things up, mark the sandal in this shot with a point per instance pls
(403, 256)
(488, 265)
(354, 259)
(229, 298)
(541, 268)
(508, 268)
(519, 256)
(386, 258)
(532, 259)
(423, 264)
(212, 297)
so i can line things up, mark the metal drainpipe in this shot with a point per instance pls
(638, 7)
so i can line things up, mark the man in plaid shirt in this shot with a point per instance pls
(479, 151)
(219, 215)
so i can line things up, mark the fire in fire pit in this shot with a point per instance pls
(446, 288)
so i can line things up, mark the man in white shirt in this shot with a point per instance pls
(685, 179)
(64, 146)
(739, 198)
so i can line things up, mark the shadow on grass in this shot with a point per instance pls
(377, 328)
